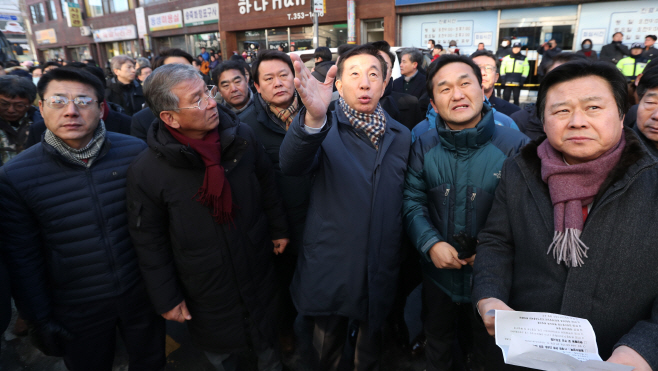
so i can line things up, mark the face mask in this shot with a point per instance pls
(429, 46)
(504, 44)
(587, 46)
(35, 80)
(452, 49)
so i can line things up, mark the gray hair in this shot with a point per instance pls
(143, 62)
(414, 55)
(158, 86)
(118, 61)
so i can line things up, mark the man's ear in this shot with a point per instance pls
(257, 87)
(339, 87)
(496, 78)
(41, 107)
(434, 106)
(168, 118)
(415, 65)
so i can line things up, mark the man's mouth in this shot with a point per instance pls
(364, 99)
(460, 107)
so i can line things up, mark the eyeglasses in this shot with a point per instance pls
(17, 106)
(211, 92)
(487, 68)
(58, 101)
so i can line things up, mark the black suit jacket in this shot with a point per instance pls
(503, 106)
(141, 122)
(416, 86)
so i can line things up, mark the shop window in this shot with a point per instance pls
(52, 10)
(94, 8)
(116, 6)
(38, 13)
(372, 30)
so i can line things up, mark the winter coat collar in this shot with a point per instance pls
(178, 155)
(634, 159)
(385, 142)
(468, 138)
(267, 118)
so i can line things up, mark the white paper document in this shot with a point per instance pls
(550, 342)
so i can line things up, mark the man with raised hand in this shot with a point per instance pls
(357, 155)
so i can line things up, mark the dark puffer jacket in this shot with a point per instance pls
(64, 226)
(129, 96)
(224, 272)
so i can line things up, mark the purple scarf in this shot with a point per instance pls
(572, 187)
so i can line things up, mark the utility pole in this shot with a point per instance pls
(319, 7)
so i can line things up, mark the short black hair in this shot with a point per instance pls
(579, 69)
(96, 71)
(365, 49)
(225, 66)
(648, 81)
(651, 37)
(48, 64)
(613, 35)
(431, 41)
(438, 46)
(342, 49)
(172, 52)
(12, 86)
(72, 74)
(269, 55)
(323, 52)
(385, 47)
(92, 61)
(586, 40)
(485, 53)
(138, 72)
(566, 57)
(442, 62)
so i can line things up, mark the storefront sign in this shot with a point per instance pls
(200, 15)
(46, 36)
(141, 22)
(166, 21)
(635, 19)
(75, 18)
(246, 6)
(319, 6)
(468, 29)
(115, 33)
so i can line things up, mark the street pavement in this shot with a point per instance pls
(18, 354)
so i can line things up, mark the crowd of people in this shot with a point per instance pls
(271, 207)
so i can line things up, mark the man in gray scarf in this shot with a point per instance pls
(72, 266)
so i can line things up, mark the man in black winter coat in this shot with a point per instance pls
(73, 268)
(205, 219)
(323, 63)
(547, 50)
(614, 51)
(489, 68)
(123, 89)
(412, 80)
(570, 190)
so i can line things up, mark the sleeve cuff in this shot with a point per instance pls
(424, 251)
(310, 130)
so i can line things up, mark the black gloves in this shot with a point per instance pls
(47, 336)
(467, 243)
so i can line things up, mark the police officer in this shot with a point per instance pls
(514, 71)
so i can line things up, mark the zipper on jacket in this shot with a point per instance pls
(473, 199)
(445, 200)
(105, 234)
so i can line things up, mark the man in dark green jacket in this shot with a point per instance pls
(453, 172)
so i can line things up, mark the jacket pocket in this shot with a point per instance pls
(478, 204)
(439, 206)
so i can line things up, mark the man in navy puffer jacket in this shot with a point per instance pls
(73, 269)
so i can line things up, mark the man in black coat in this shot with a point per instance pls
(16, 115)
(273, 77)
(323, 63)
(403, 107)
(650, 52)
(412, 80)
(142, 120)
(205, 219)
(614, 51)
(489, 68)
(547, 50)
(601, 271)
(646, 125)
(123, 89)
(73, 268)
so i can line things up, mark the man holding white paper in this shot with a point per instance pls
(552, 242)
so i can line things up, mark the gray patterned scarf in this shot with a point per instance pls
(76, 156)
(373, 124)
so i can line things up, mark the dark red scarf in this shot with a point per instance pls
(215, 192)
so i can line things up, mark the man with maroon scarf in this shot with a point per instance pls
(206, 219)
(571, 226)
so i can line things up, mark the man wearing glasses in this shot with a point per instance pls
(206, 219)
(73, 268)
(487, 63)
(16, 115)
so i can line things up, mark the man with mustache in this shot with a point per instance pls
(357, 155)
(452, 175)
